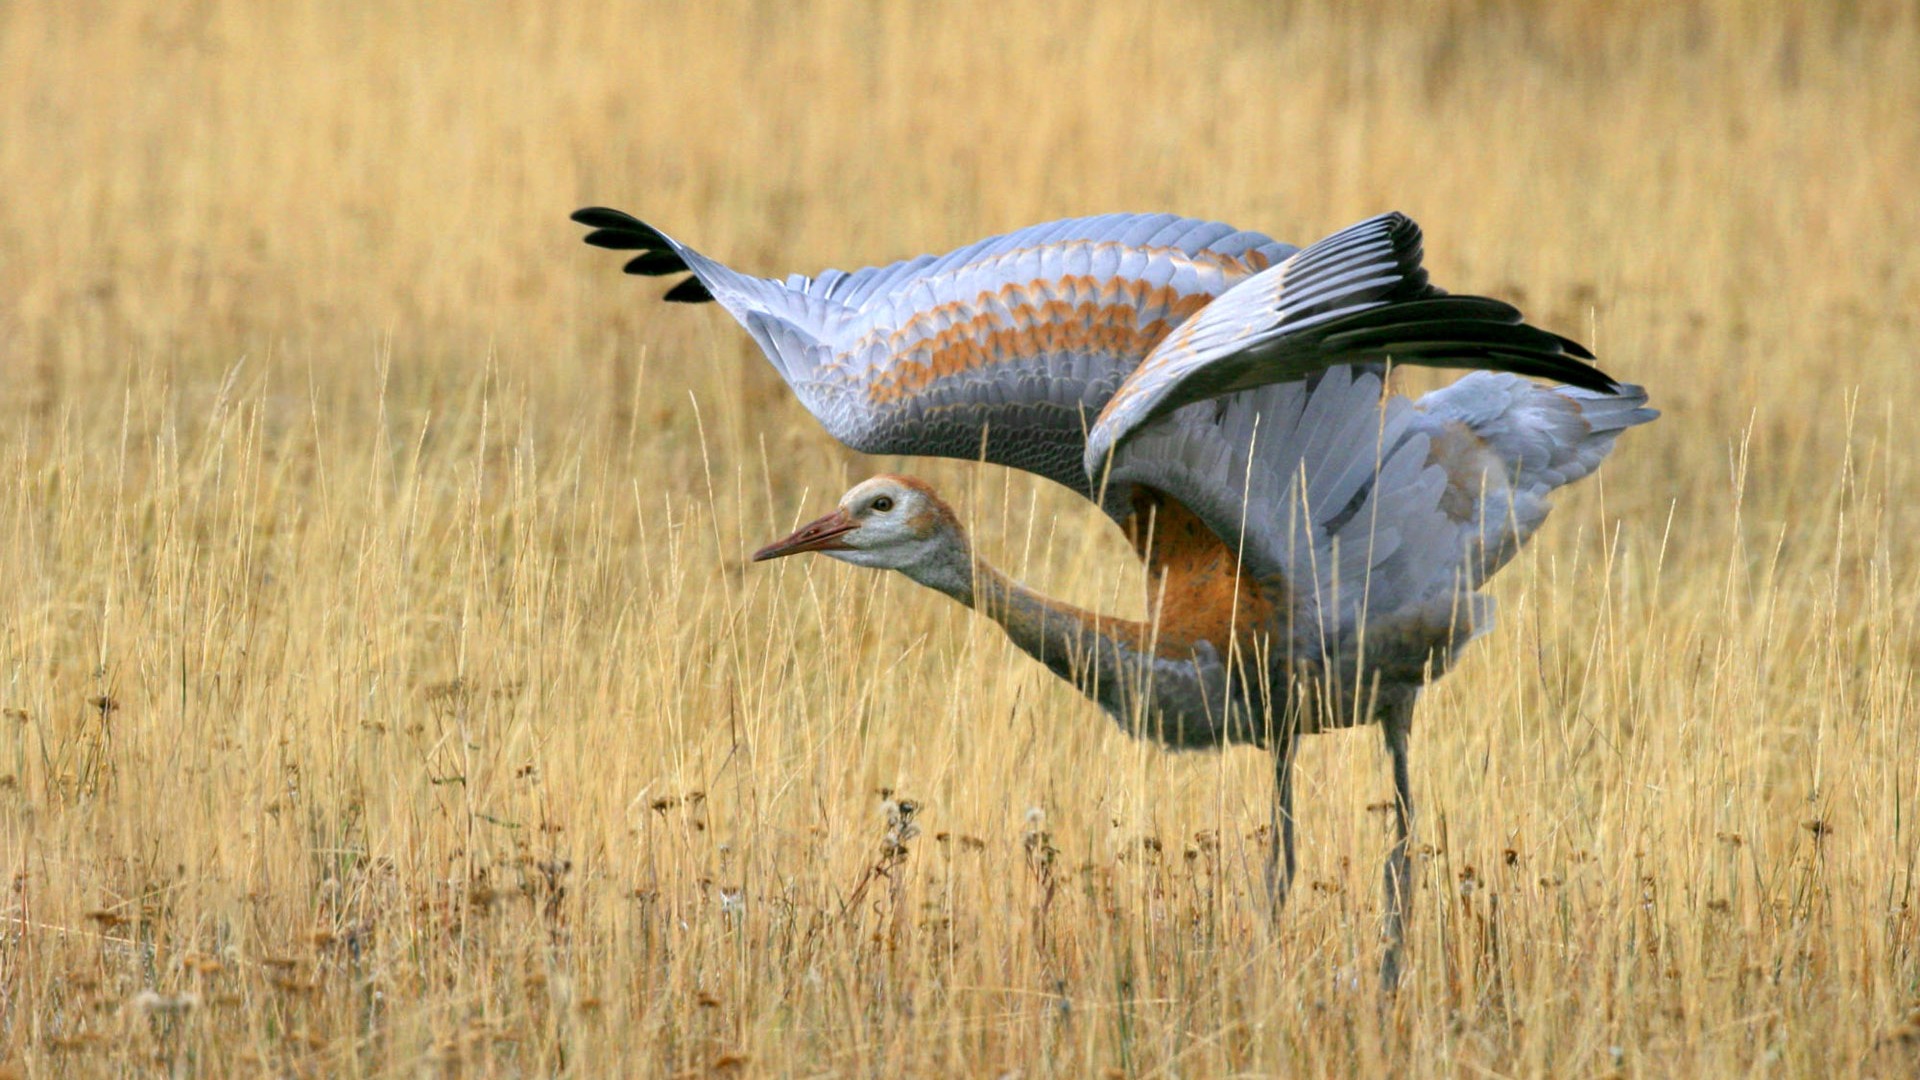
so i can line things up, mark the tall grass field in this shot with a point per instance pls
(387, 693)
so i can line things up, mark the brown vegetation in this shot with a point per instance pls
(384, 690)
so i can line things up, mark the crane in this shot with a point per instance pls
(1315, 542)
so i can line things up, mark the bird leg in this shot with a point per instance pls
(1397, 724)
(1280, 839)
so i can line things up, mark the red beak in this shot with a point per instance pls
(821, 535)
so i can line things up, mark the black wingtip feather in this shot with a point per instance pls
(1574, 373)
(621, 240)
(656, 263)
(690, 291)
(1419, 330)
(1465, 331)
(1405, 233)
(617, 230)
(1574, 348)
(1532, 363)
(605, 217)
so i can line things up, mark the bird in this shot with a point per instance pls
(1316, 541)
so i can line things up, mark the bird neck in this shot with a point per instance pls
(948, 568)
(1067, 639)
(1184, 701)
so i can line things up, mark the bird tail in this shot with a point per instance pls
(1546, 436)
(1507, 444)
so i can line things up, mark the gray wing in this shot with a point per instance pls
(1316, 484)
(1358, 296)
(1003, 350)
(1380, 515)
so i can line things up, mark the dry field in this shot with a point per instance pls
(385, 692)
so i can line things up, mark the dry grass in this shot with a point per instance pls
(385, 693)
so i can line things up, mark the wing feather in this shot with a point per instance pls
(1010, 348)
(1358, 296)
(1004, 349)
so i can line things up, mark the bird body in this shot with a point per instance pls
(1314, 543)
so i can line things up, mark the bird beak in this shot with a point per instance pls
(821, 535)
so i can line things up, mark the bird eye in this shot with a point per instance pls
(882, 504)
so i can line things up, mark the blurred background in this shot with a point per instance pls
(384, 687)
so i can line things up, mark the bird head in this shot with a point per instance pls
(889, 523)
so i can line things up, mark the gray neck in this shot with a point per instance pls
(1055, 634)
(950, 571)
(1186, 702)
(1101, 656)
(1077, 645)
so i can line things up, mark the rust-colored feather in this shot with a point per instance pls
(1197, 589)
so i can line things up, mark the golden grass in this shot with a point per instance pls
(385, 693)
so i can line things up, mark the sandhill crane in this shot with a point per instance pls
(1315, 543)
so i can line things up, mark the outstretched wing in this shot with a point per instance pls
(1358, 296)
(1004, 350)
